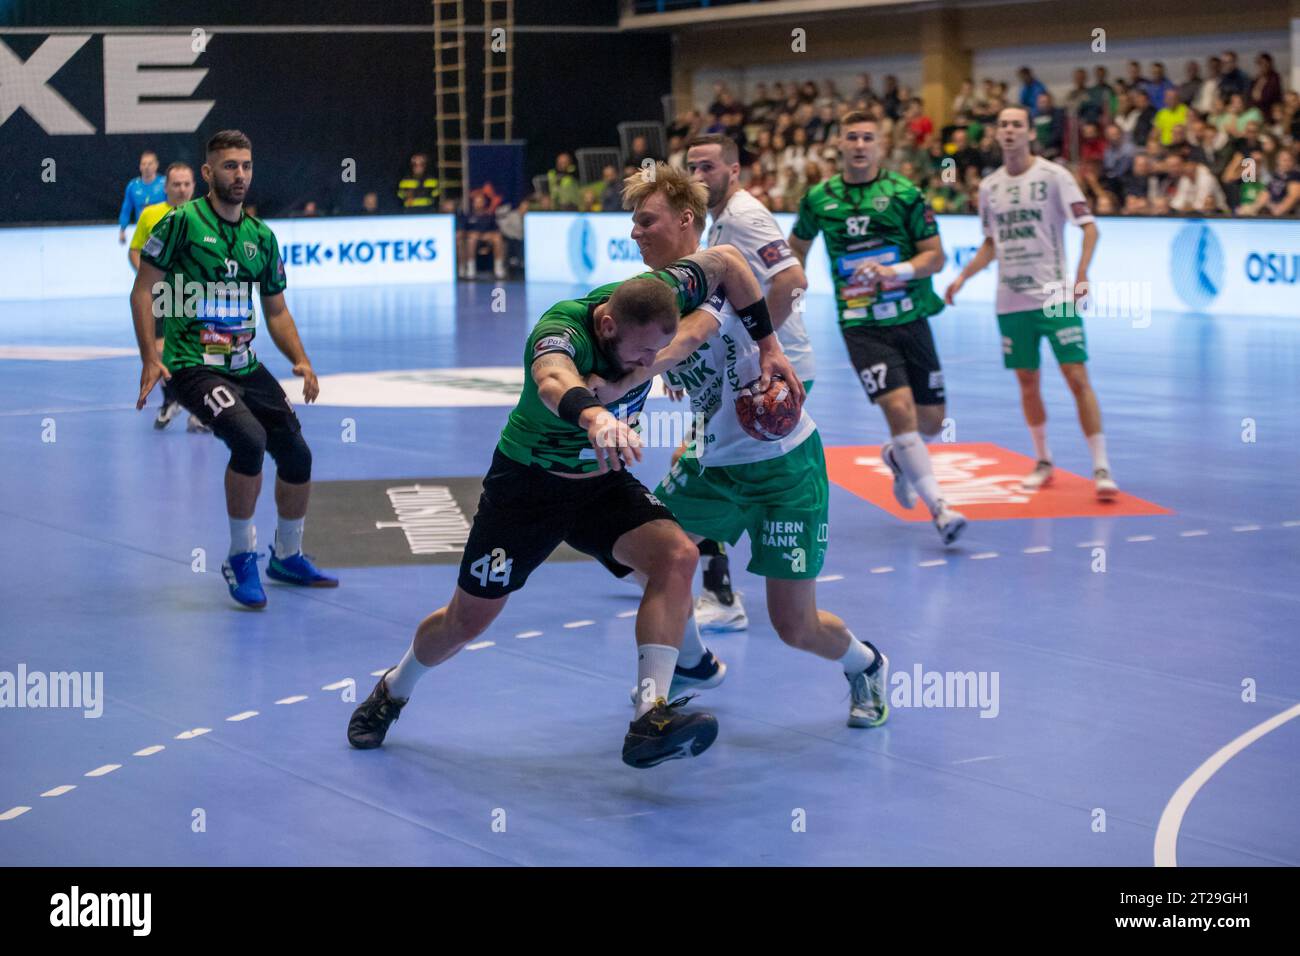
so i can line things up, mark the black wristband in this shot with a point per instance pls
(758, 322)
(575, 401)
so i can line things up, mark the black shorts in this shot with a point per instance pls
(219, 399)
(525, 512)
(887, 357)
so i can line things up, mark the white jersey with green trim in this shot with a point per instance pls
(746, 224)
(713, 376)
(1025, 216)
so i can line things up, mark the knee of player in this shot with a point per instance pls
(1077, 379)
(676, 560)
(247, 447)
(293, 460)
(794, 629)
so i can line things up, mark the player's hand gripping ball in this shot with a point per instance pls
(770, 415)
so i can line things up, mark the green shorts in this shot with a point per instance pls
(1022, 330)
(782, 503)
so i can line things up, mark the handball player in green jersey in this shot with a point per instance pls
(883, 244)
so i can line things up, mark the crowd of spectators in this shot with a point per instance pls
(1220, 141)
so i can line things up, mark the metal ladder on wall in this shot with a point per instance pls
(449, 95)
(498, 70)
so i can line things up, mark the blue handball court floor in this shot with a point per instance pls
(1132, 675)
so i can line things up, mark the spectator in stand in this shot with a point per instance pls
(1030, 89)
(1092, 145)
(1146, 118)
(1049, 127)
(906, 150)
(1082, 102)
(418, 189)
(1237, 116)
(1282, 196)
(1291, 108)
(640, 150)
(1117, 159)
(611, 193)
(822, 126)
(1266, 88)
(1190, 88)
(1105, 205)
(890, 97)
(1126, 116)
(1138, 187)
(963, 153)
(1247, 189)
(370, 204)
(147, 189)
(1195, 188)
(1277, 125)
(1173, 113)
(1135, 80)
(964, 101)
(1209, 91)
(920, 125)
(1234, 80)
(990, 151)
(562, 184)
(479, 227)
(864, 91)
(1158, 84)
(761, 107)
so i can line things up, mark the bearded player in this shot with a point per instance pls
(559, 474)
(197, 270)
(884, 245)
(729, 483)
(742, 221)
(1024, 207)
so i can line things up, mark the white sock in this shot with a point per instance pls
(403, 678)
(1039, 434)
(288, 537)
(857, 658)
(914, 458)
(1097, 445)
(654, 674)
(692, 650)
(243, 536)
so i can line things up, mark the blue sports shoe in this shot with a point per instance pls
(298, 569)
(240, 572)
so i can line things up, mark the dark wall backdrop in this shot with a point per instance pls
(310, 100)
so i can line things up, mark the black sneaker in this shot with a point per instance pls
(370, 722)
(664, 733)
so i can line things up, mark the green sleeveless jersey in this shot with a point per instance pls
(535, 435)
(883, 220)
(212, 273)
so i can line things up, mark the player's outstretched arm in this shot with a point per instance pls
(561, 389)
(986, 253)
(1090, 237)
(152, 367)
(692, 331)
(788, 287)
(284, 333)
(800, 249)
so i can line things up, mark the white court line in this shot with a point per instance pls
(1140, 537)
(13, 812)
(626, 614)
(1091, 544)
(106, 769)
(978, 759)
(292, 700)
(1166, 849)
(1037, 549)
(524, 635)
(1197, 533)
(573, 624)
(1246, 527)
(242, 715)
(59, 791)
(830, 577)
(932, 564)
(1291, 524)
(983, 555)
(379, 673)
(480, 645)
(339, 684)
(191, 734)
(884, 570)
(149, 751)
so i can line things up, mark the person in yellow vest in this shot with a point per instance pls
(418, 189)
(179, 186)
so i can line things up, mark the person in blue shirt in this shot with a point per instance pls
(1030, 87)
(1158, 84)
(145, 190)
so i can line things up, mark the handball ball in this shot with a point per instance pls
(770, 415)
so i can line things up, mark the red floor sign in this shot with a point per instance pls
(982, 481)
